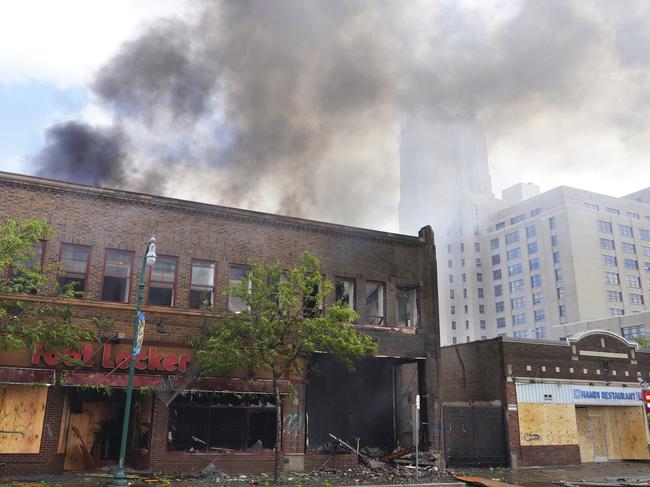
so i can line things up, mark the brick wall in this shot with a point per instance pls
(550, 455)
(102, 218)
(48, 460)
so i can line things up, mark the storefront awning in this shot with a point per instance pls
(18, 375)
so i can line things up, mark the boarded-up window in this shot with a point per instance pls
(22, 411)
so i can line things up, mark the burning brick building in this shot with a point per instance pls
(181, 421)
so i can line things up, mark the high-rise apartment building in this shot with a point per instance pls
(527, 264)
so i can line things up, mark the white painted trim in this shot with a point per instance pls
(591, 353)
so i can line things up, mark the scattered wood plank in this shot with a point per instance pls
(397, 454)
(485, 482)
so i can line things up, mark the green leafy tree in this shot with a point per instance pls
(27, 323)
(283, 323)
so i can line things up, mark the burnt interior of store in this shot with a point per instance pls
(360, 405)
(92, 427)
(206, 421)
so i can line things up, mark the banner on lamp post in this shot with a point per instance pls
(139, 334)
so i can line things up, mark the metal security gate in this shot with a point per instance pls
(474, 435)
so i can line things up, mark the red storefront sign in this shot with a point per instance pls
(150, 359)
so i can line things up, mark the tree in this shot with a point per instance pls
(27, 323)
(283, 323)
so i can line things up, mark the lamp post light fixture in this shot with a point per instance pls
(149, 259)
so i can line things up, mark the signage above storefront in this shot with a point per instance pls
(606, 396)
(108, 358)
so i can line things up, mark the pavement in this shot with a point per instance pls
(525, 476)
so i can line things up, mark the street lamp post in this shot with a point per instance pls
(149, 259)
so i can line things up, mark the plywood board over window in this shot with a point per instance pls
(547, 424)
(22, 411)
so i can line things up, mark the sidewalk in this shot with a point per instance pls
(545, 476)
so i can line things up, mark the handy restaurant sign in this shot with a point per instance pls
(613, 396)
(89, 356)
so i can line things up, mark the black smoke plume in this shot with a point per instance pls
(295, 106)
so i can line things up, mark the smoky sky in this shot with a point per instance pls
(296, 106)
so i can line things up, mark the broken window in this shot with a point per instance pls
(237, 273)
(162, 281)
(74, 266)
(117, 275)
(344, 292)
(201, 284)
(209, 422)
(374, 311)
(311, 304)
(407, 306)
(31, 261)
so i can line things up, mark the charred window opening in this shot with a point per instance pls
(345, 292)
(117, 276)
(21, 267)
(351, 405)
(311, 305)
(237, 273)
(210, 422)
(162, 280)
(407, 306)
(374, 312)
(201, 284)
(74, 266)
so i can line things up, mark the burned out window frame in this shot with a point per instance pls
(401, 288)
(66, 274)
(382, 303)
(11, 271)
(173, 288)
(352, 299)
(197, 287)
(209, 404)
(128, 279)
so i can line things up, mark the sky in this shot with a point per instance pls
(296, 107)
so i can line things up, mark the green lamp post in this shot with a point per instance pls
(149, 259)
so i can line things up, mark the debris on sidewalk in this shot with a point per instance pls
(485, 482)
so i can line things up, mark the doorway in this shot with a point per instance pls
(599, 437)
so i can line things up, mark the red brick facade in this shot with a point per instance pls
(106, 219)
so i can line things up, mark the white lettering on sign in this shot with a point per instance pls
(605, 395)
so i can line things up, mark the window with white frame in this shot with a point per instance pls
(501, 322)
(480, 292)
(538, 298)
(611, 278)
(614, 296)
(496, 259)
(494, 244)
(632, 281)
(512, 237)
(535, 211)
(636, 298)
(609, 260)
(645, 250)
(613, 211)
(531, 231)
(498, 290)
(632, 214)
(560, 293)
(499, 307)
(518, 303)
(628, 248)
(551, 223)
(532, 248)
(644, 234)
(626, 231)
(513, 254)
(607, 244)
(604, 227)
(540, 333)
(515, 269)
(536, 280)
(496, 274)
(534, 264)
(592, 206)
(630, 264)
(516, 285)
(519, 319)
(516, 219)
(554, 240)
(558, 275)
(556, 257)
(633, 332)
(539, 315)
(616, 312)
(520, 334)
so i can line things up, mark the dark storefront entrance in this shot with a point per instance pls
(474, 436)
(92, 427)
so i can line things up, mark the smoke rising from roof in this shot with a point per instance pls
(296, 106)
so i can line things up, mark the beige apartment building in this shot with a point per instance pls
(528, 264)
